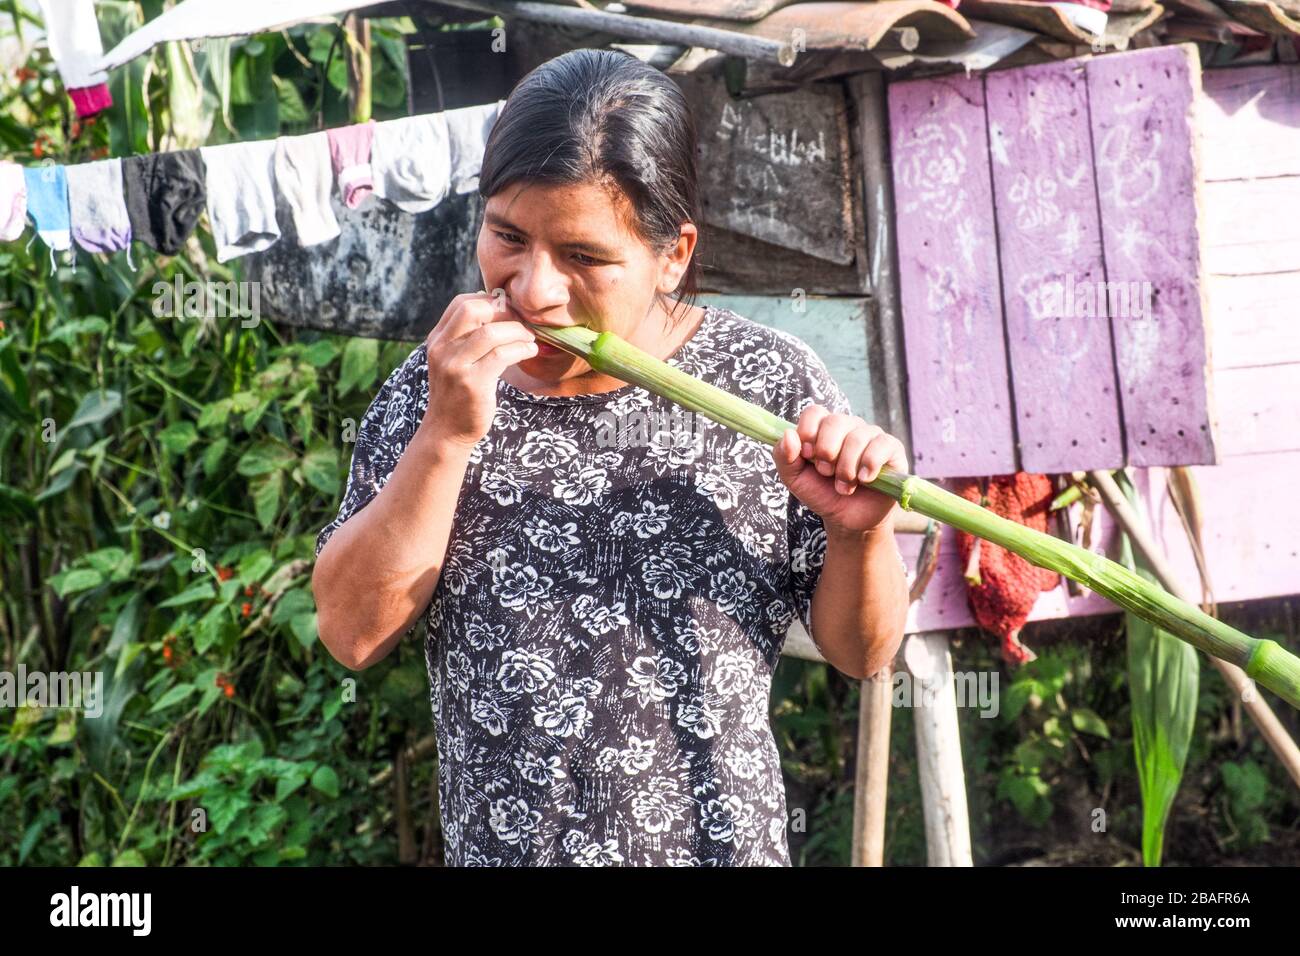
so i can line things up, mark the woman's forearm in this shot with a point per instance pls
(378, 570)
(859, 609)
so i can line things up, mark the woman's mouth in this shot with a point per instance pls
(546, 348)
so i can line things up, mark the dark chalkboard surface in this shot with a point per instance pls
(390, 274)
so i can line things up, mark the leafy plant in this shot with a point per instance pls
(162, 480)
(1036, 696)
(1246, 789)
(1164, 680)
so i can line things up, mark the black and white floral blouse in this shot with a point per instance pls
(618, 585)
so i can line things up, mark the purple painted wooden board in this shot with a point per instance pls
(1144, 148)
(958, 393)
(1049, 244)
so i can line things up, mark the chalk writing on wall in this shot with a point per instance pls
(776, 168)
(1053, 321)
(952, 313)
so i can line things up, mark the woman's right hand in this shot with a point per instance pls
(473, 343)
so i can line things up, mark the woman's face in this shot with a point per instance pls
(566, 255)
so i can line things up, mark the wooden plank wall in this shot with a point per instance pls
(1093, 170)
(1249, 128)
(1249, 125)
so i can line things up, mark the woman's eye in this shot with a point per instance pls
(514, 239)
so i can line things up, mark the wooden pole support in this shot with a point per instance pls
(938, 749)
(871, 782)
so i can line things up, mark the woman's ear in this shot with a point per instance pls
(678, 258)
(670, 279)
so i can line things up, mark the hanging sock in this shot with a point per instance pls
(73, 36)
(350, 153)
(47, 204)
(304, 176)
(411, 161)
(241, 197)
(97, 200)
(468, 129)
(164, 197)
(13, 201)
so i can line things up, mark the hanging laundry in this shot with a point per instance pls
(241, 197)
(304, 176)
(73, 36)
(350, 153)
(196, 19)
(467, 131)
(97, 200)
(411, 161)
(13, 201)
(164, 197)
(91, 99)
(47, 204)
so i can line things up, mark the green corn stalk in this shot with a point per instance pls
(1164, 678)
(1266, 661)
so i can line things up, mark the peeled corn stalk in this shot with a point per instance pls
(1264, 660)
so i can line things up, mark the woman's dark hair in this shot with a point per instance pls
(589, 116)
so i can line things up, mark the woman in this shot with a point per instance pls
(605, 601)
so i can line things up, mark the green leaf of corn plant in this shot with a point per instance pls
(1164, 679)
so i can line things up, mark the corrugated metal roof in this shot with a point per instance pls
(975, 33)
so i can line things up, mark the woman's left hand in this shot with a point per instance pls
(825, 459)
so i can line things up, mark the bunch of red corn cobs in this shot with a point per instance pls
(1001, 585)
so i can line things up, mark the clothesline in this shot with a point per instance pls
(413, 162)
(78, 52)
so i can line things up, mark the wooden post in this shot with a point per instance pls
(885, 336)
(885, 354)
(938, 749)
(871, 783)
(406, 852)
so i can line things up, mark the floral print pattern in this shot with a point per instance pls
(601, 640)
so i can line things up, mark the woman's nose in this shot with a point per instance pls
(538, 286)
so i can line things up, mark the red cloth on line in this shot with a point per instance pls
(90, 100)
